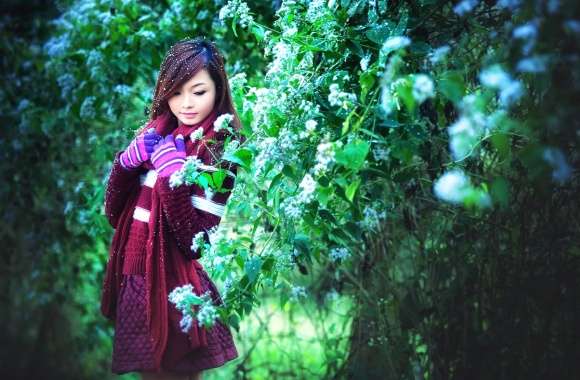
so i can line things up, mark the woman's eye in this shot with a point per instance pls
(200, 93)
(176, 93)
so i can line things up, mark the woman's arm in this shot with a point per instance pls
(120, 184)
(188, 214)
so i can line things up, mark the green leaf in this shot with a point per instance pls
(204, 180)
(242, 156)
(258, 32)
(323, 194)
(366, 80)
(351, 189)
(252, 268)
(218, 178)
(405, 92)
(234, 321)
(451, 85)
(352, 156)
(379, 33)
(301, 243)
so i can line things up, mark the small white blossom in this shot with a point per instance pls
(364, 62)
(336, 97)
(222, 122)
(339, 254)
(178, 295)
(372, 218)
(197, 241)
(185, 323)
(297, 292)
(324, 157)
(396, 42)
(176, 179)
(465, 7)
(308, 185)
(310, 128)
(381, 154)
(423, 88)
(561, 169)
(207, 314)
(452, 186)
(238, 81)
(88, 108)
(292, 207)
(196, 135)
(236, 8)
(438, 54)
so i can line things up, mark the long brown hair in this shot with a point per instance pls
(181, 63)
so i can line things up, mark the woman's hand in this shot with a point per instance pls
(139, 150)
(168, 155)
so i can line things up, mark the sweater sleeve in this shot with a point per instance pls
(120, 184)
(188, 211)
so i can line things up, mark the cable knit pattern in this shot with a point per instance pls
(120, 184)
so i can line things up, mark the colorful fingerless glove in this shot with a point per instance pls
(168, 155)
(139, 150)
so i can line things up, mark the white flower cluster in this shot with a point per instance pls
(207, 314)
(336, 97)
(439, 53)
(495, 77)
(222, 122)
(423, 87)
(331, 295)
(284, 54)
(310, 128)
(380, 153)
(238, 81)
(325, 152)
(187, 172)
(297, 292)
(266, 99)
(364, 62)
(196, 135)
(88, 108)
(454, 187)
(122, 89)
(471, 126)
(391, 44)
(292, 207)
(372, 218)
(198, 241)
(284, 260)
(179, 294)
(561, 169)
(184, 299)
(231, 147)
(317, 9)
(465, 6)
(308, 185)
(339, 254)
(238, 9)
(228, 284)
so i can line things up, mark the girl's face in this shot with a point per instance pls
(194, 100)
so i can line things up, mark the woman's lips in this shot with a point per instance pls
(189, 114)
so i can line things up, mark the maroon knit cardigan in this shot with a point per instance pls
(173, 223)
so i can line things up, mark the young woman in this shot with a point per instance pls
(155, 221)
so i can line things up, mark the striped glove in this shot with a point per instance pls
(168, 155)
(139, 149)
